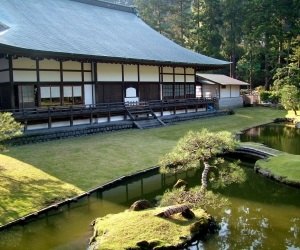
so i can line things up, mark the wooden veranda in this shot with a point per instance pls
(92, 113)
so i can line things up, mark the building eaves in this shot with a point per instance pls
(219, 79)
(105, 4)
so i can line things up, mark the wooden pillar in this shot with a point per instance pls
(11, 81)
(71, 117)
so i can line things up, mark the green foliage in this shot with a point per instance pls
(229, 173)
(194, 197)
(257, 36)
(197, 149)
(290, 73)
(8, 127)
(269, 96)
(290, 98)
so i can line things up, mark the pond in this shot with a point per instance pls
(263, 215)
(281, 136)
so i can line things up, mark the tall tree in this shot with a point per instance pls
(290, 73)
(153, 12)
(205, 27)
(177, 19)
(233, 13)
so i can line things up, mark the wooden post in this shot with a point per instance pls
(49, 118)
(71, 116)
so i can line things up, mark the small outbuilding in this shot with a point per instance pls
(222, 87)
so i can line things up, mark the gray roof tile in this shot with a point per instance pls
(75, 28)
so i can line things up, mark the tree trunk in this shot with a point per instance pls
(204, 175)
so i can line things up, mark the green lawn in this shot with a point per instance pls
(87, 162)
(285, 165)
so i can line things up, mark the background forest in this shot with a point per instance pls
(260, 37)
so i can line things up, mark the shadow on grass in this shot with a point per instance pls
(25, 189)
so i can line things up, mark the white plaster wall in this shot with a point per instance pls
(168, 78)
(167, 70)
(190, 71)
(49, 76)
(24, 76)
(109, 72)
(24, 63)
(179, 78)
(71, 65)
(4, 76)
(88, 94)
(225, 92)
(235, 91)
(179, 70)
(190, 78)
(72, 76)
(49, 64)
(87, 66)
(149, 73)
(87, 76)
(130, 73)
(4, 64)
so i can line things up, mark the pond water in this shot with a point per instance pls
(280, 136)
(263, 215)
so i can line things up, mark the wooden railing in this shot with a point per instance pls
(67, 113)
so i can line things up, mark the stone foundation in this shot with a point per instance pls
(231, 102)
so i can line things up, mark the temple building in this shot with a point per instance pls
(87, 53)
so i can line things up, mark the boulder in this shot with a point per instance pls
(140, 205)
(188, 214)
(181, 183)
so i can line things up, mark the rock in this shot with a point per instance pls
(140, 205)
(188, 214)
(158, 198)
(181, 183)
(297, 125)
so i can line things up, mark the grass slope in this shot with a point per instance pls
(90, 161)
(24, 189)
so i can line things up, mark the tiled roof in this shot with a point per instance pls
(85, 29)
(221, 79)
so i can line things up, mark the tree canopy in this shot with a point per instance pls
(200, 149)
(257, 36)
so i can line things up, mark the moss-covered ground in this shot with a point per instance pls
(144, 230)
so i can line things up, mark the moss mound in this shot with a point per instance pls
(143, 230)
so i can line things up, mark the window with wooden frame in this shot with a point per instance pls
(50, 95)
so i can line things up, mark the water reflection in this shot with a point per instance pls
(263, 215)
(280, 136)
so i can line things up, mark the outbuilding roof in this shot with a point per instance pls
(220, 79)
(89, 30)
